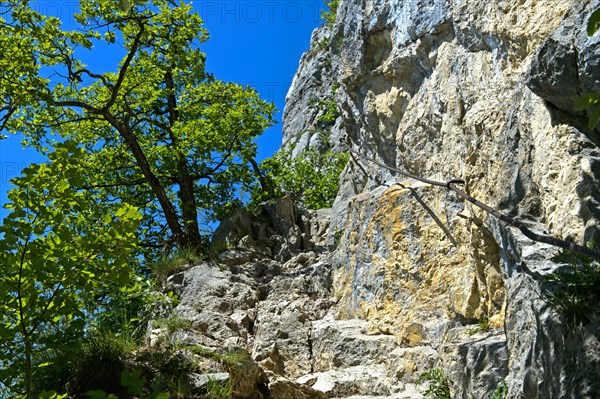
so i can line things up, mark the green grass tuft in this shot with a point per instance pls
(179, 260)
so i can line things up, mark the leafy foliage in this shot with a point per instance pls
(573, 290)
(311, 178)
(593, 23)
(173, 323)
(58, 245)
(126, 5)
(501, 391)
(101, 362)
(439, 387)
(218, 390)
(162, 134)
(133, 382)
(230, 359)
(128, 310)
(167, 364)
(160, 142)
(592, 101)
(483, 324)
(330, 111)
(328, 108)
(329, 15)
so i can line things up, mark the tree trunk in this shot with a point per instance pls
(157, 188)
(186, 183)
(266, 187)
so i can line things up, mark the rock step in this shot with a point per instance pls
(362, 382)
(349, 362)
(410, 393)
(344, 343)
(355, 380)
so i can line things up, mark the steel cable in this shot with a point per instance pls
(451, 185)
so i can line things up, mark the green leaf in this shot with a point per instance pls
(595, 117)
(125, 5)
(50, 261)
(74, 223)
(133, 381)
(585, 101)
(98, 394)
(51, 395)
(593, 22)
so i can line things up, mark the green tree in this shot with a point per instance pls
(162, 134)
(58, 245)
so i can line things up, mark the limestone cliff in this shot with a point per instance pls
(392, 281)
(476, 90)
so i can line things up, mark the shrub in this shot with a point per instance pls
(57, 369)
(328, 108)
(591, 100)
(310, 178)
(174, 323)
(501, 391)
(218, 390)
(103, 357)
(329, 15)
(128, 310)
(483, 324)
(573, 290)
(229, 359)
(167, 366)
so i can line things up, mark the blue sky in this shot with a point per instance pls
(256, 43)
(259, 43)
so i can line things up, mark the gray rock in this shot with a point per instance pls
(477, 367)
(344, 343)
(281, 388)
(234, 257)
(372, 380)
(443, 89)
(567, 64)
(199, 382)
(358, 301)
(232, 229)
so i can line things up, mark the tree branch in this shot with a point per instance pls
(123, 71)
(118, 184)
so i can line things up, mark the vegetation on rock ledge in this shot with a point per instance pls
(573, 290)
(311, 178)
(329, 15)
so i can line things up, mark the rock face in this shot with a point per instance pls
(401, 277)
(481, 91)
(281, 310)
